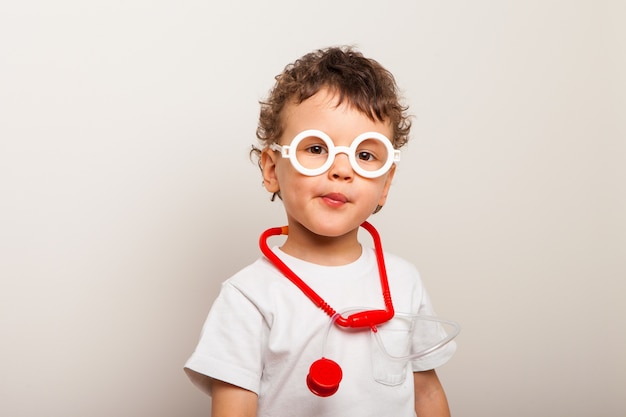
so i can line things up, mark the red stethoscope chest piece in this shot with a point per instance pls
(324, 377)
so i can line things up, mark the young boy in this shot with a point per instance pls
(324, 152)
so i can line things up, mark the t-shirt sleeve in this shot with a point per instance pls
(230, 346)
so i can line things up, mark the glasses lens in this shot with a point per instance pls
(312, 152)
(371, 154)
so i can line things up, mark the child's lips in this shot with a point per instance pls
(335, 198)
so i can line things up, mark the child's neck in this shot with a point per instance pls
(322, 250)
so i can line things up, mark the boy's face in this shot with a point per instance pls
(337, 201)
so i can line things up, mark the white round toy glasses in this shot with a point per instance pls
(312, 152)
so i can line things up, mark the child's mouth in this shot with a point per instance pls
(335, 199)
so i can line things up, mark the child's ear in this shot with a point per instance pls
(268, 167)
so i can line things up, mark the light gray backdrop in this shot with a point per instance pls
(126, 193)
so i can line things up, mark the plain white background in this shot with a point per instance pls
(127, 195)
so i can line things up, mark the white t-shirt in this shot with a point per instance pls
(263, 334)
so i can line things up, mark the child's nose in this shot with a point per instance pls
(341, 167)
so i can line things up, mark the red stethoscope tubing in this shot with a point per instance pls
(368, 318)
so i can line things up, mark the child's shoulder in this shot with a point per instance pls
(398, 262)
(259, 277)
(259, 270)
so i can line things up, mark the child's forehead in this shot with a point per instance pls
(328, 112)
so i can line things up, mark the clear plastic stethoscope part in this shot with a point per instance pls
(413, 332)
(420, 329)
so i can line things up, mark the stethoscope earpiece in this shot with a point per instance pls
(324, 377)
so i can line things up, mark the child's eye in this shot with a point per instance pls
(317, 149)
(365, 156)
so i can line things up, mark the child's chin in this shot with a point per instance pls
(331, 231)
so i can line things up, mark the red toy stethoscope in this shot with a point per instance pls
(324, 374)
(369, 318)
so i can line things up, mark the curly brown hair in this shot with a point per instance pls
(362, 82)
